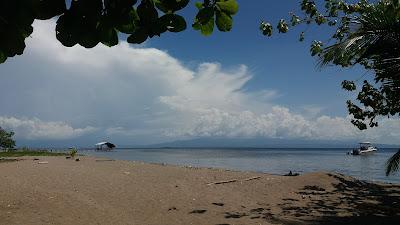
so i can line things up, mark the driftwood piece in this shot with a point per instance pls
(223, 182)
(234, 180)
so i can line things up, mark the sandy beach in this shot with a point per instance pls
(101, 191)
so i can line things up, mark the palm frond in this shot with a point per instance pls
(392, 165)
(375, 37)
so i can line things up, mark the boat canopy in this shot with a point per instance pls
(105, 143)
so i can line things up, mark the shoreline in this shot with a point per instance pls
(222, 169)
(103, 191)
(366, 168)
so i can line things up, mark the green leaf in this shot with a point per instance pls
(316, 48)
(283, 27)
(295, 20)
(320, 19)
(199, 5)
(173, 22)
(205, 15)
(228, 6)
(208, 28)
(266, 28)
(204, 21)
(196, 26)
(349, 85)
(224, 21)
(139, 36)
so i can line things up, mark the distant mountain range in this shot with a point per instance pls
(208, 143)
(261, 143)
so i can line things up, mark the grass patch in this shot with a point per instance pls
(31, 153)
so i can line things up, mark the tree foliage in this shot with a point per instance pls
(364, 33)
(89, 22)
(6, 140)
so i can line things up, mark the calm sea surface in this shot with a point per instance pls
(274, 161)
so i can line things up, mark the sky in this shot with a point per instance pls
(181, 86)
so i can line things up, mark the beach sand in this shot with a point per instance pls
(97, 191)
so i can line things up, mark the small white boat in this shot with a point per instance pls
(365, 148)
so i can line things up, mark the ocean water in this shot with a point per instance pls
(273, 161)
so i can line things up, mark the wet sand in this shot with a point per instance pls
(98, 191)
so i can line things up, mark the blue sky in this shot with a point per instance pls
(279, 62)
(181, 86)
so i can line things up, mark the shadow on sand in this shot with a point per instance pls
(351, 202)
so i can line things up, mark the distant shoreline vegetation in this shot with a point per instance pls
(31, 152)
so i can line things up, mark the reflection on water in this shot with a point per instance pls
(275, 161)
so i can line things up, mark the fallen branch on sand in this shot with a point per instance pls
(234, 180)
(223, 182)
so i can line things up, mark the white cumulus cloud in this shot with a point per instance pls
(37, 129)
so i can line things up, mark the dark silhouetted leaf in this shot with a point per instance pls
(170, 6)
(3, 57)
(266, 28)
(127, 28)
(108, 35)
(147, 13)
(89, 39)
(65, 31)
(173, 22)
(46, 9)
(139, 36)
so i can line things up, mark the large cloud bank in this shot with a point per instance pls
(144, 95)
